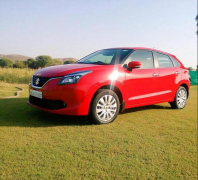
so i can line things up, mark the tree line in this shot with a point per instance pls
(38, 62)
(192, 69)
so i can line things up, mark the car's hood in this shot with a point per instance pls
(62, 70)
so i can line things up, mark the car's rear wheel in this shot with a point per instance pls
(180, 98)
(105, 106)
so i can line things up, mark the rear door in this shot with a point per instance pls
(169, 76)
(141, 83)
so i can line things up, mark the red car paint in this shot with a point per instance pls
(138, 87)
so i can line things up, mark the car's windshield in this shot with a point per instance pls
(106, 56)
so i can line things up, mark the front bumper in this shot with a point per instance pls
(47, 103)
(71, 99)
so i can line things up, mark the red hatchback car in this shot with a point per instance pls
(108, 81)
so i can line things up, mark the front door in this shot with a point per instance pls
(141, 84)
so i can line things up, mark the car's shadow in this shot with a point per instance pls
(143, 108)
(15, 112)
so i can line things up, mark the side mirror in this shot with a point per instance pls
(134, 64)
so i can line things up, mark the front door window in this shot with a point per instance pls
(145, 57)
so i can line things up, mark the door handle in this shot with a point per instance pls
(177, 72)
(155, 74)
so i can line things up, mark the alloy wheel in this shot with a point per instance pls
(106, 108)
(181, 98)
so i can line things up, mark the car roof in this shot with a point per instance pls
(143, 48)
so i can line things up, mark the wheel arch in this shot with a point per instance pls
(186, 87)
(114, 89)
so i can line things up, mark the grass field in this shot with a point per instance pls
(152, 142)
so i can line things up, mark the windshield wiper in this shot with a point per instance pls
(99, 62)
(81, 63)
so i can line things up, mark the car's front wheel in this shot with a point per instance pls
(105, 106)
(180, 98)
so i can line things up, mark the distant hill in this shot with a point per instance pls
(15, 57)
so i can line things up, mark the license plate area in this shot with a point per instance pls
(37, 94)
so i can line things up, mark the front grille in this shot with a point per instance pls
(40, 81)
(47, 103)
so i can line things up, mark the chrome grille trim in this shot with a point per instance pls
(39, 87)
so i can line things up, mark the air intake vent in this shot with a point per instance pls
(47, 103)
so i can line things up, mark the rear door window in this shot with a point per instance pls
(164, 61)
(176, 63)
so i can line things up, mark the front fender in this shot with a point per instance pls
(93, 89)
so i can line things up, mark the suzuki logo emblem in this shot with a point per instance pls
(37, 81)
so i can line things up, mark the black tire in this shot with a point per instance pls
(104, 113)
(176, 104)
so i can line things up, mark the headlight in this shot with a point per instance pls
(73, 77)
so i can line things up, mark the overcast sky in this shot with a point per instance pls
(75, 28)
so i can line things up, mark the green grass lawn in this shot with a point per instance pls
(152, 142)
(7, 89)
